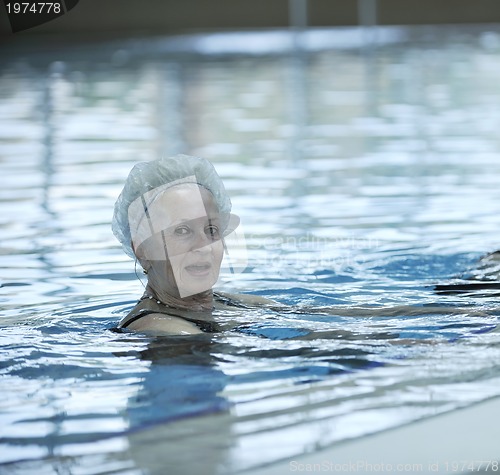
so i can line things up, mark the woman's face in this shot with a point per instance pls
(184, 253)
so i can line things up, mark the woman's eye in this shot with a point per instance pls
(212, 231)
(181, 230)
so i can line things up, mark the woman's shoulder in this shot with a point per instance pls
(243, 300)
(144, 317)
(163, 324)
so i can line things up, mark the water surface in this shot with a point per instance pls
(364, 176)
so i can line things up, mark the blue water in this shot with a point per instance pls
(364, 175)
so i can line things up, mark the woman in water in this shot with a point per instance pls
(172, 217)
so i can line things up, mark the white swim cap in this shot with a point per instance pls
(145, 177)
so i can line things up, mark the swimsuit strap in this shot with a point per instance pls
(225, 300)
(203, 325)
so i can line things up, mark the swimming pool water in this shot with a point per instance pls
(363, 175)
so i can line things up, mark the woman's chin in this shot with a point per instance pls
(196, 283)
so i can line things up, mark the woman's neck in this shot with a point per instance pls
(196, 303)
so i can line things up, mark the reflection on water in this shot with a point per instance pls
(364, 177)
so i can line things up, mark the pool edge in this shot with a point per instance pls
(459, 441)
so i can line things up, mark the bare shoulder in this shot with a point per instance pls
(161, 324)
(250, 300)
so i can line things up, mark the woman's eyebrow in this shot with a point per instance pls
(192, 220)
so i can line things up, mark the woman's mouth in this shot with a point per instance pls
(200, 269)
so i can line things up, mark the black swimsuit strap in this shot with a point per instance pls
(203, 325)
(225, 300)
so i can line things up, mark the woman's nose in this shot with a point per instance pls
(201, 242)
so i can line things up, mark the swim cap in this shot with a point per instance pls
(153, 177)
